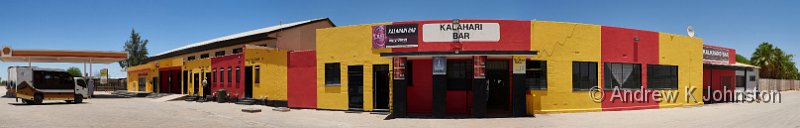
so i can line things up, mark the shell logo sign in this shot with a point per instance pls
(6, 51)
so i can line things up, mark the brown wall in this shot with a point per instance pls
(301, 37)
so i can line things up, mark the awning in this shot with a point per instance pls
(459, 53)
(62, 56)
(735, 65)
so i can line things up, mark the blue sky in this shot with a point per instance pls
(106, 25)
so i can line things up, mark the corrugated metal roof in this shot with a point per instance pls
(239, 35)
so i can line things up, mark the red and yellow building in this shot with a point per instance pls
(439, 67)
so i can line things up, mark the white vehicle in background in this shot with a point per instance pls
(34, 85)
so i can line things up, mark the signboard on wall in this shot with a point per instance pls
(439, 65)
(519, 64)
(399, 68)
(479, 67)
(716, 55)
(462, 32)
(394, 36)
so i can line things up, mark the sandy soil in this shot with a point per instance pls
(144, 112)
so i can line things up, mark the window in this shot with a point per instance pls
(190, 58)
(584, 75)
(237, 50)
(219, 53)
(459, 74)
(203, 56)
(258, 74)
(624, 76)
(752, 78)
(221, 75)
(213, 76)
(230, 79)
(237, 75)
(536, 74)
(662, 77)
(332, 74)
(741, 82)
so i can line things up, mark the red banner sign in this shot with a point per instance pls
(479, 66)
(399, 68)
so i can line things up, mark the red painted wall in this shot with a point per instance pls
(459, 102)
(514, 36)
(420, 90)
(233, 61)
(622, 45)
(164, 77)
(713, 78)
(302, 88)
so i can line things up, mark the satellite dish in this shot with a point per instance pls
(690, 31)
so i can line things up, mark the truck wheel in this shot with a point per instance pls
(29, 102)
(38, 98)
(78, 99)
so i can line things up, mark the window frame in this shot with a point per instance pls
(606, 74)
(655, 78)
(534, 76)
(257, 74)
(457, 83)
(589, 81)
(334, 76)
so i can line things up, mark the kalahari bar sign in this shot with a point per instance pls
(461, 32)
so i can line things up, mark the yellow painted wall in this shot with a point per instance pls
(560, 44)
(348, 45)
(151, 70)
(687, 53)
(273, 65)
(133, 76)
(200, 66)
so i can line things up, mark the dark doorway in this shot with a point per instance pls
(156, 85)
(175, 82)
(248, 82)
(185, 82)
(207, 84)
(380, 78)
(355, 86)
(164, 81)
(196, 83)
(497, 75)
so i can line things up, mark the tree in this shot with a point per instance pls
(74, 71)
(742, 59)
(137, 50)
(774, 62)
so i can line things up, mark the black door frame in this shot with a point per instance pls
(248, 81)
(185, 88)
(207, 86)
(508, 83)
(195, 84)
(355, 90)
(380, 96)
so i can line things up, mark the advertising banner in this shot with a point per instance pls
(479, 66)
(716, 55)
(394, 36)
(519, 64)
(461, 32)
(439, 65)
(399, 72)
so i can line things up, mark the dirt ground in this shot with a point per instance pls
(144, 112)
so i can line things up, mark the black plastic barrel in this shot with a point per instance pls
(222, 94)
